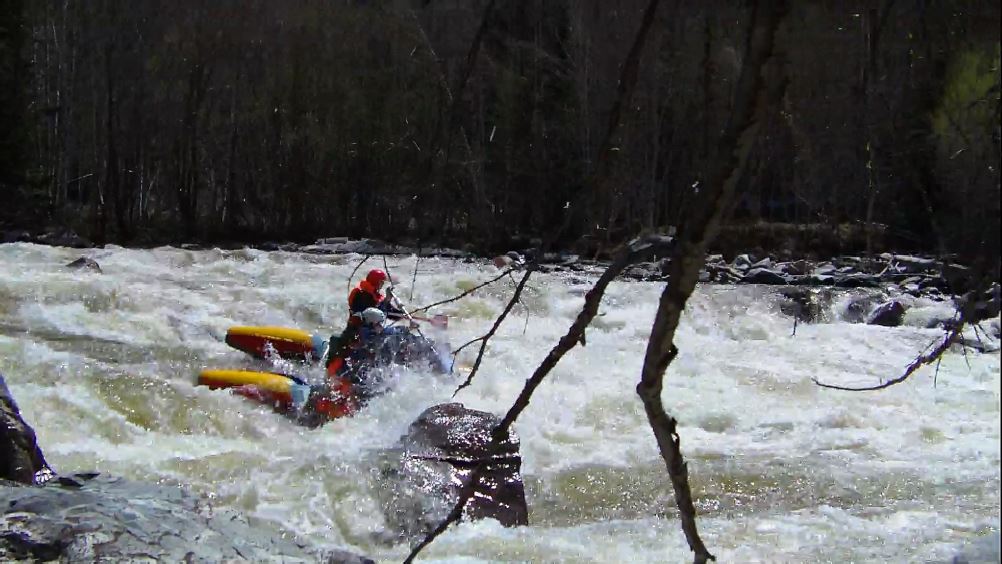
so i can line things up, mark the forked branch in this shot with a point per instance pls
(966, 316)
(628, 255)
(497, 323)
(464, 294)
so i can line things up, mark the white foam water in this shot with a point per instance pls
(103, 365)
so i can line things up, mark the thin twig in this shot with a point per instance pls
(920, 361)
(497, 323)
(466, 344)
(629, 255)
(463, 295)
(965, 315)
(386, 267)
(417, 263)
(357, 266)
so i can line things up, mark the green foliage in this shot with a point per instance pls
(969, 107)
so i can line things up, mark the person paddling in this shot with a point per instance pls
(363, 297)
(368, 294)
(357, 342)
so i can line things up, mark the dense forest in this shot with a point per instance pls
(484, 121)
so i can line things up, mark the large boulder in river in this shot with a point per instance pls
(422, 476)
(96, 518)
(20, 458)
(91, 517)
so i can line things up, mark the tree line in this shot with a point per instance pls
(481, 122)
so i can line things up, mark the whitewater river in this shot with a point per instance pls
(103, 366)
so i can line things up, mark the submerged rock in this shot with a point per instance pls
(97, 518)
(888, 315)
(422, 476)
(984, 549)
(808, 305)
(84, 263)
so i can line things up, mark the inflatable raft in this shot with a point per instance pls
(283, 342)
(288, 394)
(278, 386)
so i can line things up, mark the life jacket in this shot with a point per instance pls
(352, 349)
(341, 404)
(364, 287)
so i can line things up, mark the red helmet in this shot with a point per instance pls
(376, 277)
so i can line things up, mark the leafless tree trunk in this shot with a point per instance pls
(628, 255)
(689, 254)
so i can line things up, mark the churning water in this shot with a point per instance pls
(103, 366)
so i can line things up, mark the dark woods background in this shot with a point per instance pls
(146, 121)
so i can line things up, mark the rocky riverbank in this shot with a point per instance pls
(895, 278)
(88, 517)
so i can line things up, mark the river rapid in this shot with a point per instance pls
(103, 366)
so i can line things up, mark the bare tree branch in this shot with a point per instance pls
(628, 255)
(919, 362)
(357, 266)
(497, 323)
(386, 268)
(935, 355)
(463, 295)
(966, 315)
(750, 102)
(417, 263)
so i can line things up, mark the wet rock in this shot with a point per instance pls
(21, 459)
(511, 259)
(889, 314)
(90, 517)
(723, 274)
(764, 263)
(958, 277)
(106, 519)
(341, 245)
(795, 268)
(808, 305)
(643, 271)
(988, 304)
(423, 474)
(913, 264)
(64, 238)
(84, 263)
(742, 262)
(664, 266)
(276, 246)
(441, 252)
(857, 280)
(982, 550)
(765, 276)
(827, 269)
(16, 237)
(859, 308)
